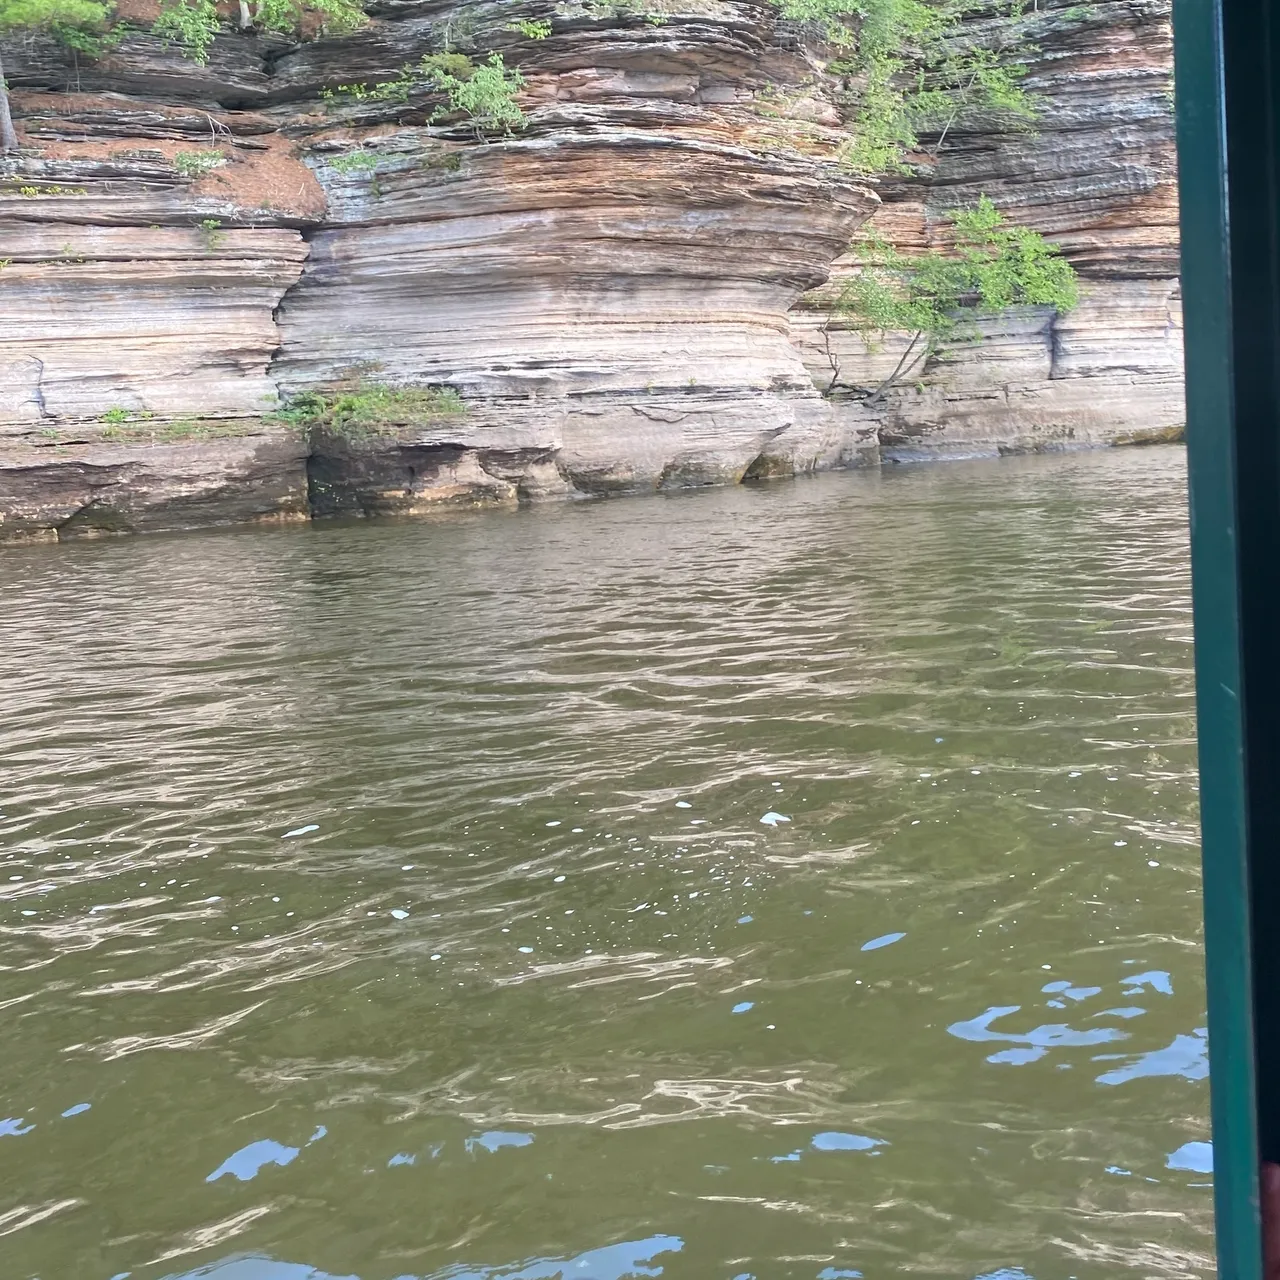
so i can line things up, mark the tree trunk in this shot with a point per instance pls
(246, 21)
(8, 139)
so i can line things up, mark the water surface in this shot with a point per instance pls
(789, 881)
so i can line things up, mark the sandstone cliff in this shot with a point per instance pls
(609, 289)
(1097, 176)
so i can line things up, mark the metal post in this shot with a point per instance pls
(1228, 80)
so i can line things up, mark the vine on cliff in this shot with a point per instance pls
(915, 67)
(930, 296)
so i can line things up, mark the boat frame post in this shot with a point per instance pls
(1227, 59)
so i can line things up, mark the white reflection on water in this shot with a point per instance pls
(611, 1262)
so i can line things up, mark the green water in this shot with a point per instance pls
(399, 899)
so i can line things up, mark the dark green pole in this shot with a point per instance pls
(1227, 86)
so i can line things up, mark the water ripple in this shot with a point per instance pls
(675, 834)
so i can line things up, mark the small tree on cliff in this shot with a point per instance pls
(913, 66)
(993, 266)
(62, 17)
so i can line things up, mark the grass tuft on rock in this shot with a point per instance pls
(370, 410)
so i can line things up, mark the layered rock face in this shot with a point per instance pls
(617, 291)
(607, 288)
(1097, 176)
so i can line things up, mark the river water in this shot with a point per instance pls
(784, 881)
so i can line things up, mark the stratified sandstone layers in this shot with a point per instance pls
(1097, 176)
(607, 289)
(616, 291)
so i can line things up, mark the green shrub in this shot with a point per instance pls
(914, 68)
(118, 416)
(370, 409)
(180, 430)
(487, 96)
(211, 230)
(355, 162)
(929, 296)
(539, 30)
(31, 192)
(193, 24)
(195, 164)
(364, 162)
(68, 20)
(484, 94)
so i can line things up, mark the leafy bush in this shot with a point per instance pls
(118, 416)
(539, 30)
(211, 230)
(371, 409)
(178, 430)
(70, 20)
(914, 69)
(484, 94)
(994, 266)
(355, 162)
(362, 162)
(487, 97)
(195, 164)
(190, 24)
(193, 24)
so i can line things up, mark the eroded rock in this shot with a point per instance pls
(610, 290)
(1098, 177)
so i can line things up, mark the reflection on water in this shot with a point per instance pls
(613, 1262)
(797, 881)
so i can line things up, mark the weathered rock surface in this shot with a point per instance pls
(610, 290)
(166, 321)
(1098, 178)
(88, 488)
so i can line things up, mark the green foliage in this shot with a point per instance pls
(190, 24)
(616, 9)
(193, 24)
(914, 68)
(30, 193)
(195, 164)
(355, 162)
(337, 17)
(211, 230)
(484, 94)
(117, 415)
(396, 90)
(47, 15)
(370, 409)
(93, 42)
(68, 19)
(131, 430)
(994, 266)
(539, 30)
(364, 162)
(487, 97)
